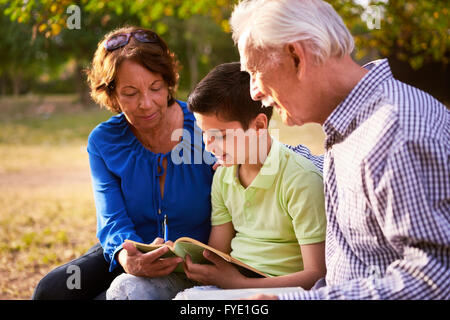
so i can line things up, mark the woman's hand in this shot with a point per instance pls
(221, 273)
(161, 241)
(148, 264)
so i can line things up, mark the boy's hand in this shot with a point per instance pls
(216, 165)
(220, 273)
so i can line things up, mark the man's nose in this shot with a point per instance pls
(255, 92)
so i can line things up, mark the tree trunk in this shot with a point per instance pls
(81, 87)
(192, 55)
(3, 85)
(193, 67)
(16, 83)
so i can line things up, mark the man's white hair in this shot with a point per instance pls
(261, 24)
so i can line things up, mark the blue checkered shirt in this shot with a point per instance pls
(304, 151)
(387, 186)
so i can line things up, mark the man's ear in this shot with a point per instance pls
(298, 57)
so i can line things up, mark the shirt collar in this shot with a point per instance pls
(266, 175)
(342, 121)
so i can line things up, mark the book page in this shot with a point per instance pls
(195, 250)
(183, 248)
(223, 255)
(208, 293)
(151, 247)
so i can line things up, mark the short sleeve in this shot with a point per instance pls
(220, 214)
(305, 203)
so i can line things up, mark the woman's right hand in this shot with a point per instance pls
(148, 264)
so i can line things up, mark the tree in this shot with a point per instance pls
(20, 57)
(414, 32)
(188, 26)
(200, 44)
(413, 35)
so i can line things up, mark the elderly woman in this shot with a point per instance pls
(137, 178)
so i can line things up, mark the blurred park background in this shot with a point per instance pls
(47, 214)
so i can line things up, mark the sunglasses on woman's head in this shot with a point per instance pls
(119, 40)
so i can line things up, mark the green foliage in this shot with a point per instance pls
(193, 29)
(199, 44)
(39, 41)
(19, 56)
(49, 17)
(413, 31)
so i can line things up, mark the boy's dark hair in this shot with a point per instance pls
(225, 92)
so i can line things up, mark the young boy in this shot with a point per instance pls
(267, 201)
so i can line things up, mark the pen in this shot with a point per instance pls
(166, 229)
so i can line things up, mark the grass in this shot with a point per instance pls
(47, 213)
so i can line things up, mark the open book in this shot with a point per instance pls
(194, 248)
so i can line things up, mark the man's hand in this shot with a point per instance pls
(148, 264)
(221, 273)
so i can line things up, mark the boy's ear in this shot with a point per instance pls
(261, 122)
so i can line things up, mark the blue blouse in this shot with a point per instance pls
(125, 179)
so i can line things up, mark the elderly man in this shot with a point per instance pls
(386, 167)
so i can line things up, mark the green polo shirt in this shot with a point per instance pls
(280, 210)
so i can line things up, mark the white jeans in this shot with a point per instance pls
(129, 287)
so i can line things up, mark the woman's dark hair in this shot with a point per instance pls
(155, 57)
(225, 92)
